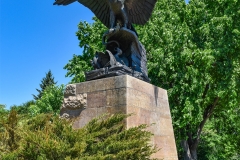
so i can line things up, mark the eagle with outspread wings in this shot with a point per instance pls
(113, 12)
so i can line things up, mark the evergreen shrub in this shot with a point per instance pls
(47, 136)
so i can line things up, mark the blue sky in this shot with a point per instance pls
(35, 37)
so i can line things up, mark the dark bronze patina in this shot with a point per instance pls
(124, 53)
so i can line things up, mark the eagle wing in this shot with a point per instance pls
(100, 8)
(139, 11)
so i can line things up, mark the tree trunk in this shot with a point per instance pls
(190, 145)
(190, 153)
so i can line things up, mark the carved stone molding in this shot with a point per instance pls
(70, 90)
(75, 102)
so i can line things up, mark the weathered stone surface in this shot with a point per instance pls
(96, 99)
(70, 113)
(116, 97)
(75, 102)
(124, 94)
(70, 90)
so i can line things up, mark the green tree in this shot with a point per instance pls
(3, 117)
(220, 139)
(50, 101)
(3, 109)
(23, 108)
(8, 137)
(49, 137)
(193, 52)
(48, 80)
(197, 60)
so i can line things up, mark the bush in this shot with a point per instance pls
(48, 137)
(50, 101)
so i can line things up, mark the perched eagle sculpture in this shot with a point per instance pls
(111, 12)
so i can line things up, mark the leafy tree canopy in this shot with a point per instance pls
(50, 101)
(2, 109)
(23, 108)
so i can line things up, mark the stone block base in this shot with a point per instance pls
(124, 94)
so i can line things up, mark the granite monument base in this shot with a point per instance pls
(124, 94)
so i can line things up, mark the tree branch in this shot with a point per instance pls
(207, 113)
(205, 91)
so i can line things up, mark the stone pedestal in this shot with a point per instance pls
(124, 94)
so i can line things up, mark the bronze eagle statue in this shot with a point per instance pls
(111, 12)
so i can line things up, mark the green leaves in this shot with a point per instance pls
(50, 101)
(49, 137)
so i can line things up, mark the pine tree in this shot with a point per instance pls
(48, 80)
